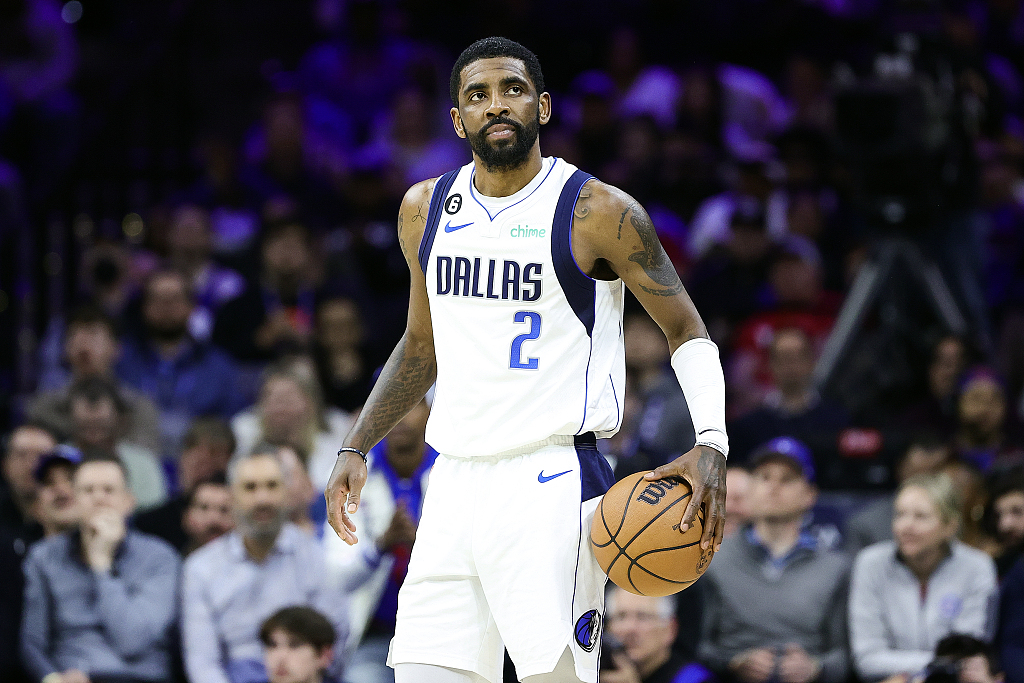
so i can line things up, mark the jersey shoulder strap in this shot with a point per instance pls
(441, 188)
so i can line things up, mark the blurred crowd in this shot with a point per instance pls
(199, 277)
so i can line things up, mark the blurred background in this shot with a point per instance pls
(209, 190)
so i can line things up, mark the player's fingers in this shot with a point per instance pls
(667, 470)
(353, 501)
(719, 527)
(691, 507)
(712, 518)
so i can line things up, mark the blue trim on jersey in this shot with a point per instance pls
(472, 192)
(580, 289)
(441, 188)
(596, 475)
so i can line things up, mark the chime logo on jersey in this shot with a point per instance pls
(460, 276)
(520, 230)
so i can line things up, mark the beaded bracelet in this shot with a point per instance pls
(348, 449)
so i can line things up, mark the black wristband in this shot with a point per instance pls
(349, 449)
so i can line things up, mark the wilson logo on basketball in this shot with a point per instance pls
(656, 490)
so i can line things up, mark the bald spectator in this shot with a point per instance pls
(186, 378)
(26, 446)
(233, 583)
(100, 600)
(91, 348)
(646, 627)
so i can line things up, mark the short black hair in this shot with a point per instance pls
(489, 48)
(93, 389)
(91, 314)
(302, 622)
(1006, 481)
(957, 646)
(216, 479)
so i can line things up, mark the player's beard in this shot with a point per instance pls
(504, 155)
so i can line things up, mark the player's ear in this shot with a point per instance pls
(460, 129)
(545, 107)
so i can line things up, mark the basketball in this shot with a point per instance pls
(635, 536)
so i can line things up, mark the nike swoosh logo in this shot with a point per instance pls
(452, 228)
(541, 478)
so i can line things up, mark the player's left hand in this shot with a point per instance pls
(704, 469)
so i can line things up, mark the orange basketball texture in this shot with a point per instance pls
(635, 536)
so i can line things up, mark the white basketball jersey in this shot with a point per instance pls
(527, 345)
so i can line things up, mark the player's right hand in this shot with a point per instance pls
(342, 494)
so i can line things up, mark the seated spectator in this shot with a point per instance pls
(646, 628)
(344, 367)
(964, 659)
(737, 498)
(190, 251)
(207, 514)
(275, 314)
(186, 378)
(775, 597)
(97, 415)
(1006, 497)
(298, 645)
(1011, 624)
(92, 349)
(906, 594)
(937, 410)
(373, 571)
(26, 447)
(982, 435)
(232, 584)
(927, 454)
(101, 600)
(55, 506)
(208, 446)
(290, 411)
(797, 300)
(793, 406)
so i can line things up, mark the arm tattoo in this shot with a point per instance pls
(419, 214)
(403, 382)
(652, 258)
(401, 236)
(622, 218)
(582, 208)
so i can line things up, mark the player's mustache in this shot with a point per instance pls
(500, 121)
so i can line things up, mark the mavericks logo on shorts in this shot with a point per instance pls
(588, 628)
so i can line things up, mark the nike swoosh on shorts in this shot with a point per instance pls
(541, 478)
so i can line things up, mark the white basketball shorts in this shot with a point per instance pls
(502, 559)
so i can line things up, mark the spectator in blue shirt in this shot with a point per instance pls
(186, 378)
(232, 584)
(101, 600)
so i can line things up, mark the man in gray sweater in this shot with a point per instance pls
(775, 600)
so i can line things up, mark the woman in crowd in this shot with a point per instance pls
(906, 594)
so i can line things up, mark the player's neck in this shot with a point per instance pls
(507, 183)
(778, 535)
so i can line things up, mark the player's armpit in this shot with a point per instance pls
(612, 236)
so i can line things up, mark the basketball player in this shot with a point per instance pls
(519, 264)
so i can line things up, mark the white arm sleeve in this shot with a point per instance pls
(699, 371)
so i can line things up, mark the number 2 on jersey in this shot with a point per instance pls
(516, 361)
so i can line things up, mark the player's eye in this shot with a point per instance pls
(515, 90)
(476, 96)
